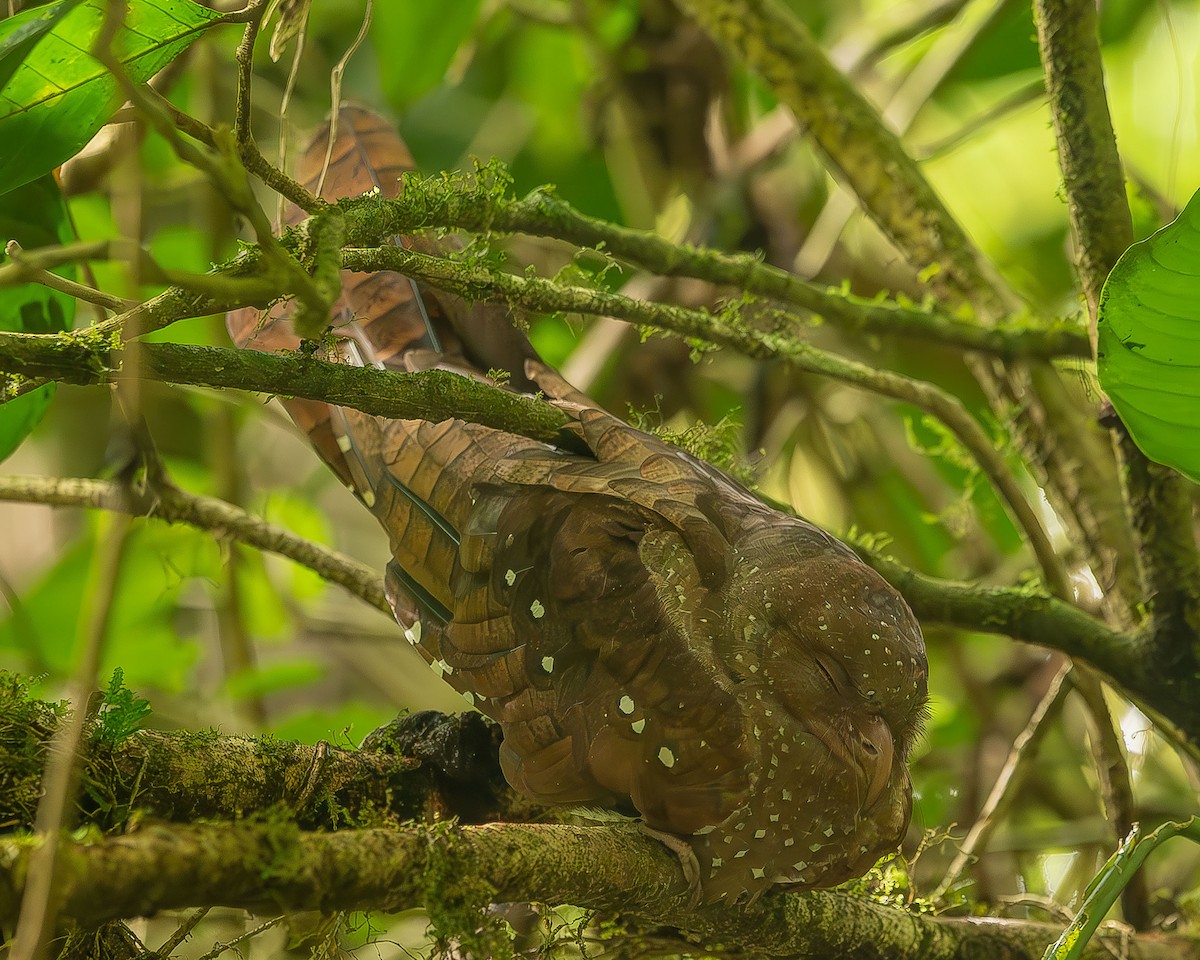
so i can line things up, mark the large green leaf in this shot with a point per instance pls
(19, 35)
(61, 95)
(1149, 344)
(34, 216)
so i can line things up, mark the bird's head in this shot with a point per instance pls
(829, 640)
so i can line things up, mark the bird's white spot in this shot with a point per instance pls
(666, 757)
(344, 444)
(771, 774)
(788, 841)
(638, 725)
(469, 697)
(740, 853)
(787, 794)
(774, 760)
(537, 609)
(438, 667)
(717, 862)
(754, 668)
(759, 834)
(548, 664)
(703, 831)
(368, 498)
(759, 873)
(800, 864)
(814, 847)
(413, 634)
(508, 541)
(510, 577)
(829, 831)
(774, 818)
(626, 705)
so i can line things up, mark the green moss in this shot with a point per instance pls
(26, 724)
(457, 898)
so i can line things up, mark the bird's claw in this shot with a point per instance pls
(687, 860)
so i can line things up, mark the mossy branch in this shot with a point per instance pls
(482, 206)
(275, 866)
(441, 766)
(84, 358)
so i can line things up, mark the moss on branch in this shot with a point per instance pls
(85, 358)
(275, 866)
(429, 766)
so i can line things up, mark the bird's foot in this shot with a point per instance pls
(687, 860)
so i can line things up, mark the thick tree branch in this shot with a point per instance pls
(274, 866)
(83, 358)
(423, 766)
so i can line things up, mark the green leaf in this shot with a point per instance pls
(19, 35)
(34, 216)
(122, 711)
(60, 95)
(1148, 356)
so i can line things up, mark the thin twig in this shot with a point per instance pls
(173, 505)
(1116, 787)
(1007, 782)
(38, 904)
(71, 288)
(182, 932)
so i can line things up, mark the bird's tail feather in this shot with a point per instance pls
(414, 475)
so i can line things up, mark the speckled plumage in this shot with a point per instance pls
(647, 633)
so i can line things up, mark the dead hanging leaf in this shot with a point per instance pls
(366, 155)
(293, 16)
(383, 313)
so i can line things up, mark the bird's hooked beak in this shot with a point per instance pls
(873, 753)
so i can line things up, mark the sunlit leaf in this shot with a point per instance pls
(19, 35)
(60, 95)
(34, 216)
(1149, 342)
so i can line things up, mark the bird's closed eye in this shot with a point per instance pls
(832, 673)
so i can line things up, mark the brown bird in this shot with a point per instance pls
(646, 632)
